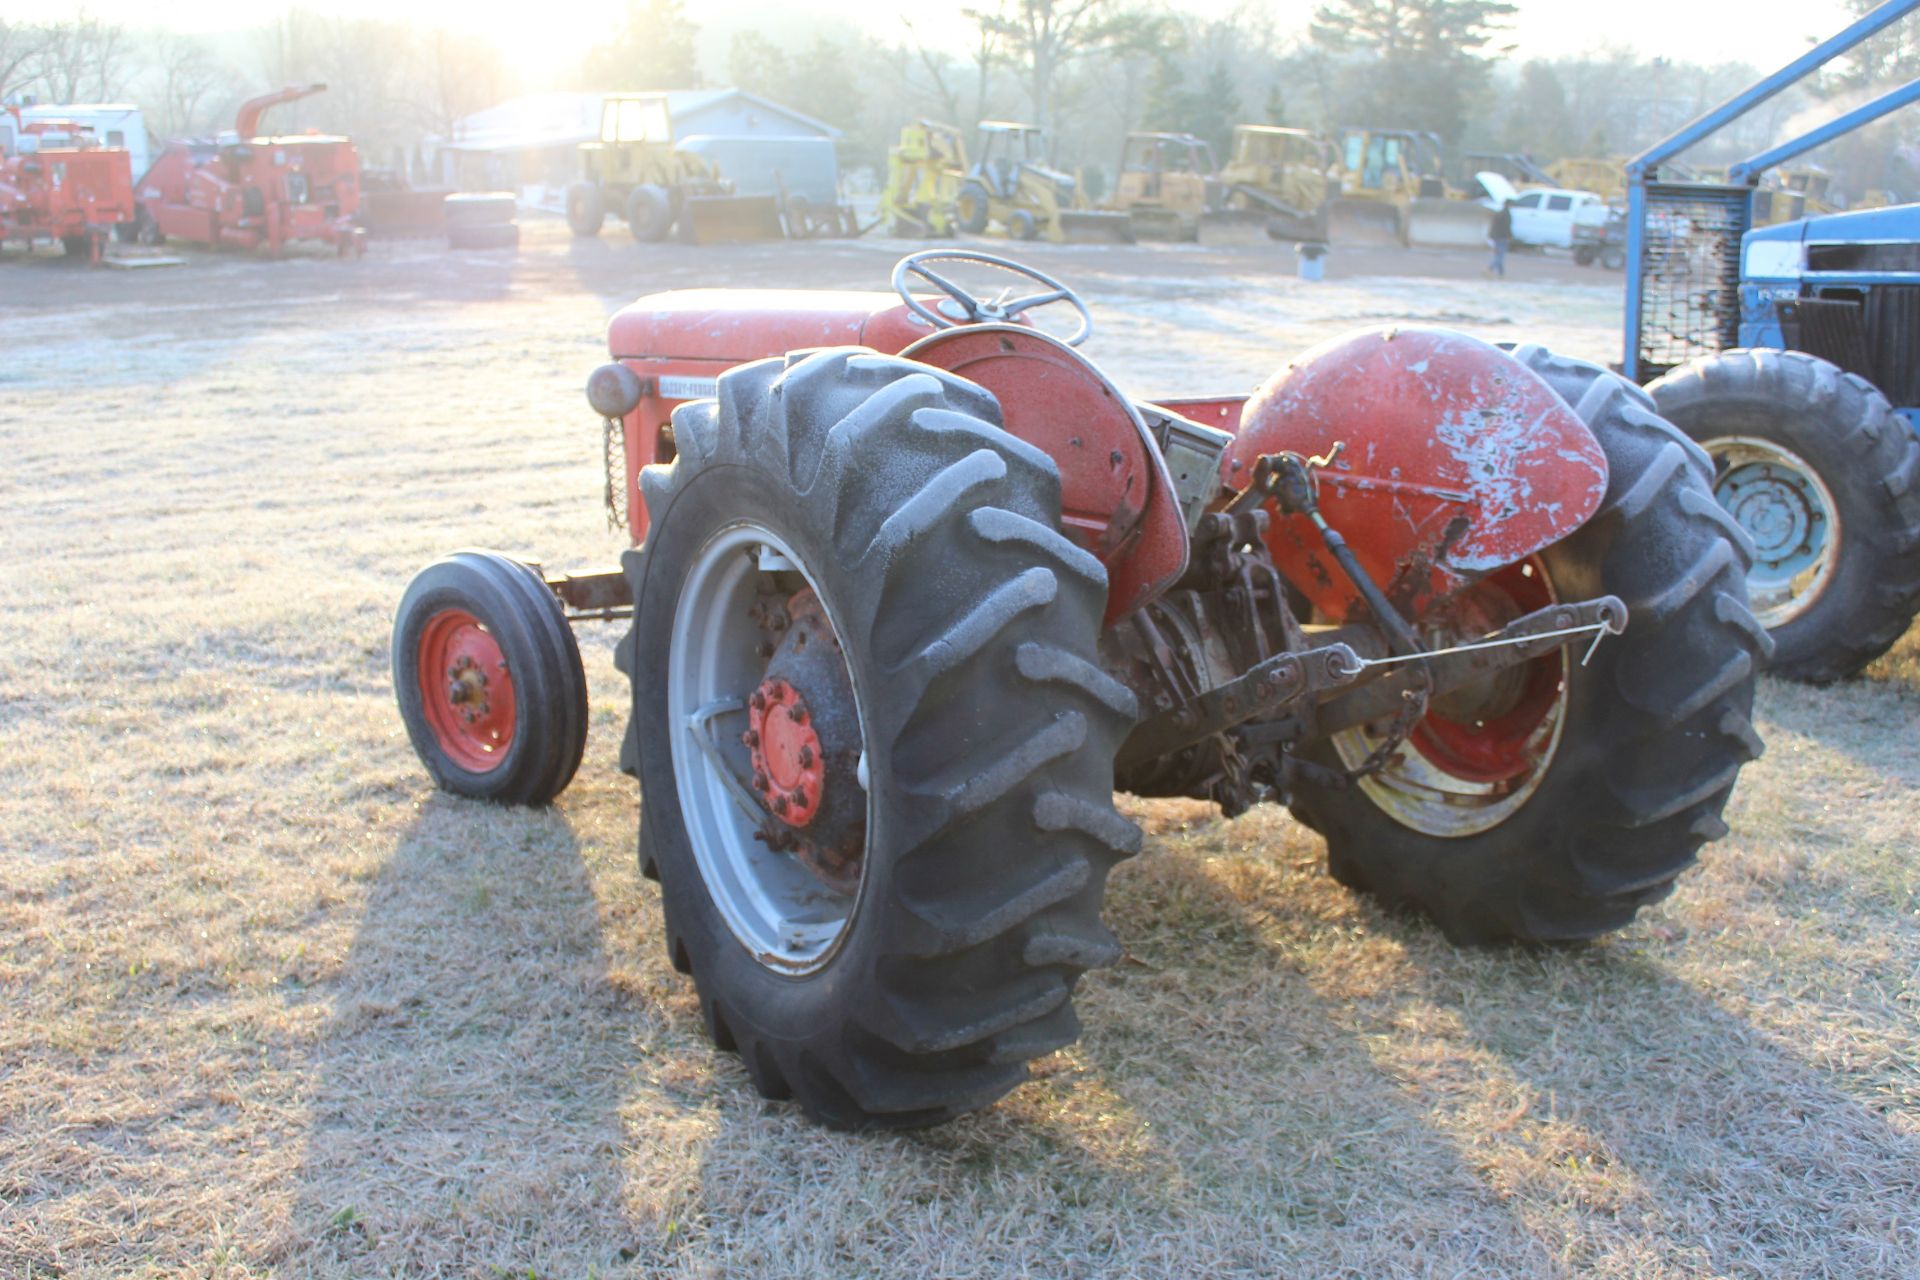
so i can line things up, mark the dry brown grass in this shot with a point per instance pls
(274, 1007)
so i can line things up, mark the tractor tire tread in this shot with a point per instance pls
(1871, 468)
(1656, 729)
(549, 679)
(977, 625)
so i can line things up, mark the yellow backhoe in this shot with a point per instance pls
(924, 175)
(1012, 186)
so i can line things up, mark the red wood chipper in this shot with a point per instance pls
(914, 587)
(248, 191)
(58, 183)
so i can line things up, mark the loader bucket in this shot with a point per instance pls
(1082, 227)
(1434, 223)
(1363, 223)
(729, 219)
(1236, 227)
(1155, 224)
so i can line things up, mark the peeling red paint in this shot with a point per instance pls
(1437, 426)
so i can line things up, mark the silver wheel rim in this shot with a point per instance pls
(1421, 796)
(1791, 516)
(781, 913)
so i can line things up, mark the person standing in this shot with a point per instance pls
(1499, 235)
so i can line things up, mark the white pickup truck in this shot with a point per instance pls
(1553, 217)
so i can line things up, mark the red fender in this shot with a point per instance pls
(1116, 497)
(1458, 460)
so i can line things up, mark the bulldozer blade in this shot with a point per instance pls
(1235, 227)
(1447, 224)
(1081, 227)
(1156, 224)
(1363, 222)
(729, 219)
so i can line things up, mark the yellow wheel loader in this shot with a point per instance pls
(1275, 183)
(1165, 186)
(634, 172)
(1391, 190)
(1014, 188)
(924, 175)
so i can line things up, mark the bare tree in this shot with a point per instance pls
(461, 74)
(1043, 37)
(19, 55)
(184, 79)
(83, 59)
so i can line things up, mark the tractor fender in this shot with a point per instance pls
(1117, 499)
(1453, 460)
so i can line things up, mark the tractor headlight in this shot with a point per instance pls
(613, 390)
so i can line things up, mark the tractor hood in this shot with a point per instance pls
(737, 325)
(1860, 241)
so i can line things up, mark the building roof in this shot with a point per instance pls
(565, 119)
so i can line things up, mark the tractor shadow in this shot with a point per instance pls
(465, 1094)
(1534, 1106)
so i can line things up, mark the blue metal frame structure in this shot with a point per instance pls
(1645, 192)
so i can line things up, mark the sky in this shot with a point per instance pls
(1764, 32)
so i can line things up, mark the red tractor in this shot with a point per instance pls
(914, 587)
(58, 183)
(246, 191)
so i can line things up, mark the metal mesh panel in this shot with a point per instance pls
(1690, 277)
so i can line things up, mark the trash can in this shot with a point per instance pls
(1313, 259)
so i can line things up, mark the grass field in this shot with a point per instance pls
(274, 1007)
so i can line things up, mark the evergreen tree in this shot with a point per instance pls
(1417, 64)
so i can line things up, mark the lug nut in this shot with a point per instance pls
(797, 713)
(806, 756)
(750, 738)
(759, 781)
(758, 701)
(779, 804)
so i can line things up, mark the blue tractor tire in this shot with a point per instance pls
(1815, 465)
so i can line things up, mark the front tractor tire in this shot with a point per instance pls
(586, 208)
(1815, 465)
(854, 535)
(1585, 790)
(489, 679)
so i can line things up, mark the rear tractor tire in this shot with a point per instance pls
(1557, 810)
(1825, 477)
(875, 744)
(489, 679)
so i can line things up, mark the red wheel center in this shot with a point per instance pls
(789, 768)
(1502, 742)
(466, 690)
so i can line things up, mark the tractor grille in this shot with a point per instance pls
(1690, 272)
(1874, 337)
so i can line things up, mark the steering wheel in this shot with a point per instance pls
(977, 310)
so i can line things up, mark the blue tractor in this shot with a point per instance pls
(1791, 355)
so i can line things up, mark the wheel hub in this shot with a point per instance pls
(1776, 509)
(1785, 507)
(472, 714)
(788, 764)
(803, 736)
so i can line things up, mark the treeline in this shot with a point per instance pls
(1090, 70)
